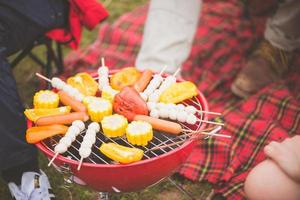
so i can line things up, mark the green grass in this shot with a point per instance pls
(28, 84)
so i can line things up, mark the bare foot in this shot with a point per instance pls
(286, 155)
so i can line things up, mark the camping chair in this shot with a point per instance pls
(53, 54)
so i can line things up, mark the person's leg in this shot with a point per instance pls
(14, 150)
(273, 56)
(268, 181)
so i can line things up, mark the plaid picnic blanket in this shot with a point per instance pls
(223, 40)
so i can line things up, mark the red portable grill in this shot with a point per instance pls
(162, 157)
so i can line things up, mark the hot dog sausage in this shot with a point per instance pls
(62, 119)
(70, 101)
(143, 81)
(160, 124)
(36, 134)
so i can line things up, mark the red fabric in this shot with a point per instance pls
(223, 40)
(87, 13)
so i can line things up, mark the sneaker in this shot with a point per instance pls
(34, 186)
(266, 65)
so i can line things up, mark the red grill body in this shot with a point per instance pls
(129, 177)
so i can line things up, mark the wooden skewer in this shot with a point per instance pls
(177, 71)
(163, 69)
(209, 112)
(211, 122)
(80, 163)
(51, 161)
(42, 77)
(102, 62)
(194, 135)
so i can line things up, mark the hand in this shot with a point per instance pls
(286, 155)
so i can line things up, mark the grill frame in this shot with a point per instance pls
(129, 177)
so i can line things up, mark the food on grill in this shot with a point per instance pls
(152, 86)
(108, 93)
(99, 109)
(129, 103)
(71, 91)
(143, 81)
(79, 124)
(125, 77)
(191, 119)
(70, 101)
(160, 124)
(66, 141)
(178, 92)
(57, 83)
(154, 97)
(62, 119)
(139, 133)
(114, 125)
(34, 114)
(103, 80)
(84, 83)
(121, 153)
(154, 113)
(84, 152)
(94, 126)
(190, 109)
(45, 99)
(89, 99)
(36, 134)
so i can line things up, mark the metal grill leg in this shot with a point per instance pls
(103, 196)
(181, 189)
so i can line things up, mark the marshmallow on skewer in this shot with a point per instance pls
(79, 124)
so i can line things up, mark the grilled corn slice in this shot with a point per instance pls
(98, 109)
(114, 125)
(45, 99)
(139, 133)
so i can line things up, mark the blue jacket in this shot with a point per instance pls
(46, 13)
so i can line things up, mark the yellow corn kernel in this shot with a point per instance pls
(114, 125)
(139, 133)
(109, 93)
(99, 109)
(45, 99)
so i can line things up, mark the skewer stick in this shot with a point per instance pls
(80, 163)
(42, 77)
(209, 112)
(163, 70)
(51, 161)
(211, 122)
(102, 62)
(177, 71)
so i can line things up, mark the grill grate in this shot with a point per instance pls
(160, 144)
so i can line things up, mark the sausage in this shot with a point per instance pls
(70, 101)
(160, 124)
(143, 81)
(62, 119)
(36, 134)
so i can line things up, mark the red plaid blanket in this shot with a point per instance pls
(223, 39)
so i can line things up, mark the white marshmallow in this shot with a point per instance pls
(94, 126)
(173, 114)
(163, 113)
(154, 113)
(190, 109)
(60, 148)
(84, 152)
(79, 124)
(181, 116)
(74, 129)
(191, 119)
(67, 141)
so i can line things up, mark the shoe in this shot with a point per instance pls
(34, 186)
(266, 65)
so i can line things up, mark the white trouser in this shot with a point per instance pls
(168, 34)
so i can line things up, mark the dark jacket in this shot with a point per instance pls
(46, 13)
